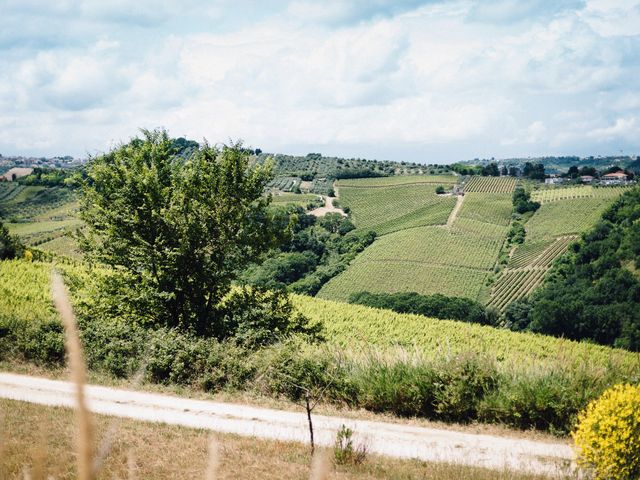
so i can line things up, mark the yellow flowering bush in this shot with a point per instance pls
(608, 434)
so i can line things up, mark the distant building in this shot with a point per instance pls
(614, 178)
(587, 179)
(554, 179)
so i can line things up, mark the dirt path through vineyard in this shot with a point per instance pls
(454, 213)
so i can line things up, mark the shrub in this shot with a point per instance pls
(344, 451)
(608, 434)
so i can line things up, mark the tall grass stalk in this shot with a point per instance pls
(213, 462)
(78, 371)
(320, 465)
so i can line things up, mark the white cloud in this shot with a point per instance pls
(535, 80)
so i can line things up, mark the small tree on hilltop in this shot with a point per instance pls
(176, 232)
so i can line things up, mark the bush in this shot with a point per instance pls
(345, 452)
(437, 305)
(440, 190)
(608, 434)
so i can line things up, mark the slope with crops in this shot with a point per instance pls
(40, 216)
(565, 212)
(456, 371)
(387, 205)
(453, 260)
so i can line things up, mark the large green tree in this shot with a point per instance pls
(176, 230)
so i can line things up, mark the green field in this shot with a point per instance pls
(25, 294)
(490, 184)
(356, 326)
(487, 207)
(301, 199)
(565, 213)
(453, 260)
(393, 208)
(553, 194)
(41, 217)
(399, 180)
(566, 217)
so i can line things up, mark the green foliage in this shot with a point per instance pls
(318, 250)
(344, 450)
(50, 177)
(176, 230)
(336, 223)
(10, 246)
(517, 233)
(522, 201)
(533, 171)
(440, 190)
(438, 306)
(521, 379)
(490, 170)
(594, 293)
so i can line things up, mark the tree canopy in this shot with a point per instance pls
(176, 231)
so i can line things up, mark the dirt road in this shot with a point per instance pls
(328, 208)
(454, 213)
(395, 440)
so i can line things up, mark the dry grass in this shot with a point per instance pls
(169, 452)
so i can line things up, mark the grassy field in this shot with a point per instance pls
(387, 209)
(487, 207)
(40, 439)
(566, 217)
(42, 217)
(301, 199)
(25, 294)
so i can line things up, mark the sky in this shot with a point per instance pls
(421, 81)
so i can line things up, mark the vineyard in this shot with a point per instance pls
(40, 216)
(9, 190)
(490, 184)
(21, 204)
(514, 285)
(452, 260)
(565, 213)
(398, 276)
(487, 207)
(399, 180)
(356, 326)
(553, 194)
(393, 208)
(566, 217)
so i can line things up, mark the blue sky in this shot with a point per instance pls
(432, 81)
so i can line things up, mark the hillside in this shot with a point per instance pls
(41, 216)
(372, 358)
(594, 292)
(469, 257)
